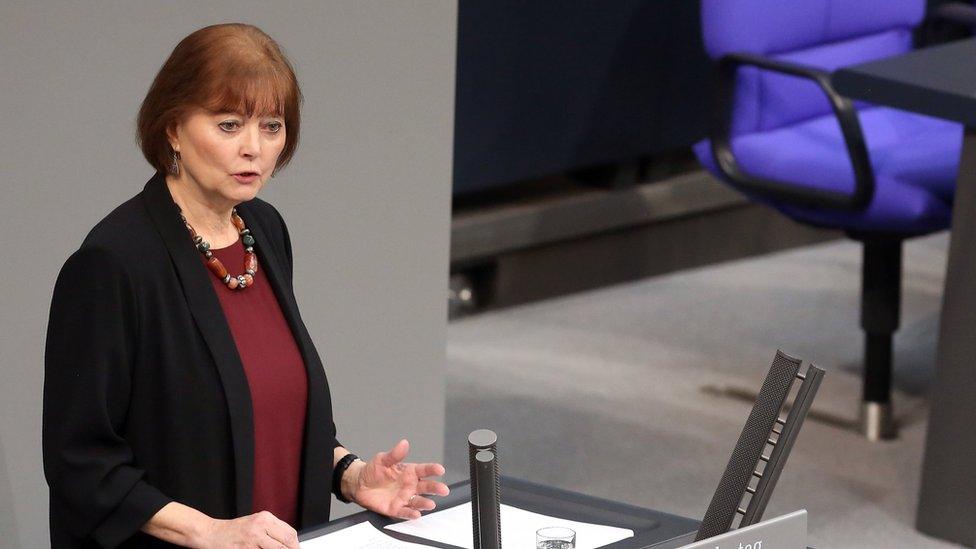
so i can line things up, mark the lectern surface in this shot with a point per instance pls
(650, 527)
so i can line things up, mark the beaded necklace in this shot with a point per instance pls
(240, 281)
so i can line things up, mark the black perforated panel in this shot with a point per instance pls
(745, 456)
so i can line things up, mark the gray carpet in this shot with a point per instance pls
(611, 392)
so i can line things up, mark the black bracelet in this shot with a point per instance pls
(340, 469)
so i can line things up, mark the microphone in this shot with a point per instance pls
(489, 506)
(485, 494)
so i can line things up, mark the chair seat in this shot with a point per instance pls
(915, 160)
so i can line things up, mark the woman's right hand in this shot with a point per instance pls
(258, 531)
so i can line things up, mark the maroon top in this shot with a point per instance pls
(276, 376)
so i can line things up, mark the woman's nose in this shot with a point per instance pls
(251, 142)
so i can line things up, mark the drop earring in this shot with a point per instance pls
(174, 165)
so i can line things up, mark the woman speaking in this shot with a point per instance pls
(184, 400)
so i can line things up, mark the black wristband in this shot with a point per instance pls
(340, 469)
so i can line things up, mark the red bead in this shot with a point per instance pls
(248, 279)
(216, 267)
(250, 262)
(232, 283)
(238, 222)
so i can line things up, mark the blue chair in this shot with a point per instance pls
(783, 136)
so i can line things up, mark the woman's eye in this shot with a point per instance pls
(274, 127)
(230, 125)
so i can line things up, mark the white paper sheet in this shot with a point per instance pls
(453, 526)
(361, 536)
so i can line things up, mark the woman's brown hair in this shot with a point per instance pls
(232, 67)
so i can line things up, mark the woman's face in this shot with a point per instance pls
(228, 156)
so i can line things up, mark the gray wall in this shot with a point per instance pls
(367, 197)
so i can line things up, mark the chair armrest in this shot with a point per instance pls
(780, 190)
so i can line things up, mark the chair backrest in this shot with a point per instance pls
(821, 33)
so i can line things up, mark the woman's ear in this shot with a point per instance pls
(172, 133)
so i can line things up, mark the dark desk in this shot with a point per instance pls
(941, 82)
(651, 528)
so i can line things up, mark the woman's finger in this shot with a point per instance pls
(281, 532)
(432, 488)
(276, 543)
(280, 540)
(396, 454)
(284, 539)
(429, 470)
(420, 503)
(268, 542)
(408, 513)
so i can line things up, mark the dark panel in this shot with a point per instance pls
(547, 87)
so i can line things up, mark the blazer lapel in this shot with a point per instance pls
(315, 493)
(210, 319)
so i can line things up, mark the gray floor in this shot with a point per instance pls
(611, 392)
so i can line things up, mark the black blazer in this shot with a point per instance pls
(145, 397)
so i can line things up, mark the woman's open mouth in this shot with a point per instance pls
(246, 177)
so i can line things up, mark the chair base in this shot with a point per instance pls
(880, 312)
(878, 421)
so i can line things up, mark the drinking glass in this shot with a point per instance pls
(555, 537)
